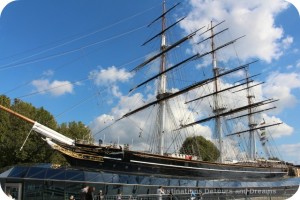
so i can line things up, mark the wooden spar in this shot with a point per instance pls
(253, 129)
(249, 87)
(191, 87)
(166, 50)
(17, 114)
(213, 35)
(219, 91)
(162, 31)
(192, 58)
(232, 111)
(163, 14)
(247, 78)
(171, 68)
(259, 111)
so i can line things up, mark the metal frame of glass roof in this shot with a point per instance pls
(76, 175)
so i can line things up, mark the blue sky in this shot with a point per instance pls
(72, 57)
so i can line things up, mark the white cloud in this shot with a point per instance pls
(286, 42)
(131, 128)
(48, 72)
(56, 88)
(281, 86)
(110, 75)
(289, 67)
(138, 127)
(277, 131)
(116, 91)
(234, 100)
(255, 19)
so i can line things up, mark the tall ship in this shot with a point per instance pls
(181, 112)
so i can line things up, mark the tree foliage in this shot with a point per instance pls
(200, 147)
(14, 130)
(75, 130)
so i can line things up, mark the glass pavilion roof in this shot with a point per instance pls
(46, 172)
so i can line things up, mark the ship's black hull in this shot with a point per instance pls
(131, 162)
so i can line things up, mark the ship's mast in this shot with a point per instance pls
(251, 122)
(162, 87)
(217, 108)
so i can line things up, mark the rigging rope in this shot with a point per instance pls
(76, 39)
(25, 139)
(66, 52)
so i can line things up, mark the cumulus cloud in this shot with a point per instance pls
(277, 131)
(255, 19)
(286, 42)
(56, 88)
(281, 86)
(136, 129)
(139, 128)
(110, 75)
(116, 91)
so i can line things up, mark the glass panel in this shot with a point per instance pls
(93, 177)
(56, 174)
(36, 172)
(18, 172)
(110, 178)
(145, 180)
(126, 179)
(75, 175)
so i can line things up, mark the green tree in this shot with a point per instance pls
(274, 158)
(76, 130)
(14, 130)
(200, 147)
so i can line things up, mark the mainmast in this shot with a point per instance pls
(217, 108)
(161, 90)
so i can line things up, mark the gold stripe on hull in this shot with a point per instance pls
(77, 155)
